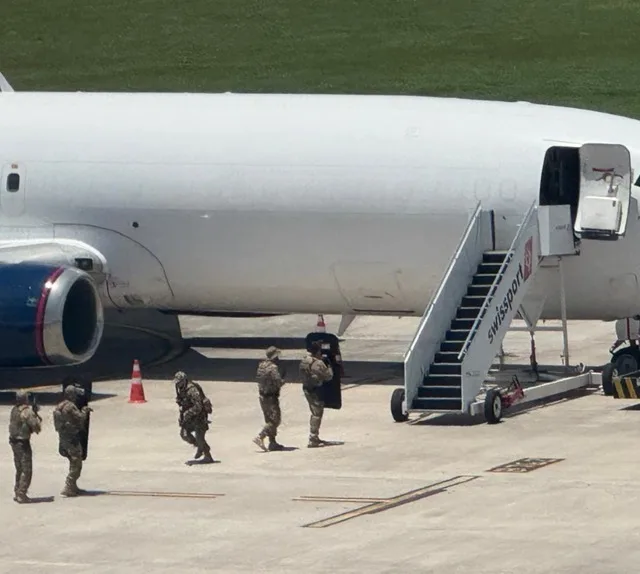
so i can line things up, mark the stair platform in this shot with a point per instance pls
(537, 391)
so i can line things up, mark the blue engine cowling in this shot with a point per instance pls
(49, 315)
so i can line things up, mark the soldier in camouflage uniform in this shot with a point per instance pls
(314, 371)
(269, 384)
(195, 408)
(23, 422)
(70, 422)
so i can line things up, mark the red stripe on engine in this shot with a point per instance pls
(42, 307)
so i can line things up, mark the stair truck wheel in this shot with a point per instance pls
(493, 407)
(608, 372)
(397, 411)
(623, 362)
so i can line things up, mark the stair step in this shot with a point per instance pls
(451, 347)
(456, 335)
(446, 357)
(448, 392)
(467, 312)
(438, 404)
(473, 301)
(483, 279)
(494, 256)
(442, 380)
(445, 369)
(462, 324)
(478, 290)
(489, 268)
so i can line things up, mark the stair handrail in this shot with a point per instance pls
(452, 262)
(415, 366)
(494, 285)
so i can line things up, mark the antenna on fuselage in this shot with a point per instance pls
(4, 85)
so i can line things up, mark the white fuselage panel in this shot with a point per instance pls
(292, 203)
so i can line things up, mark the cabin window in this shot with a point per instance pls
(637, 181)
(13, 182)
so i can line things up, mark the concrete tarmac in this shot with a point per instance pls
(414, 497)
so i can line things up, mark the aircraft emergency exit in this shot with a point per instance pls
(276, 204)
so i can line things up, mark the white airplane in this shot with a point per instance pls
(276, 204)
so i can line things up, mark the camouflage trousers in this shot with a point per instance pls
(316, 406)
(72, 450)
(194, 435)
(270, 405)
(22, 460)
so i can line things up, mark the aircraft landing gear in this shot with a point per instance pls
(624, 361)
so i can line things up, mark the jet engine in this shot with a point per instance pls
(49, 315)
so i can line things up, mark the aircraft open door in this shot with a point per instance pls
(331, 390)
(605, 191)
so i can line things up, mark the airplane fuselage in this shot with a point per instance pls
(294, 203)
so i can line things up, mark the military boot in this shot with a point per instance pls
(21, 498)
(273, 445)
(207, 457)
(260, 442)
(198, 454)
(69, 491)
(315, 442)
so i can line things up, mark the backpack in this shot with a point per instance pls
(61, 423)
(206, 403)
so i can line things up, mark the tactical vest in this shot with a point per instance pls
(63, 424)
(206, 403)
(267, 384)
(18, 427)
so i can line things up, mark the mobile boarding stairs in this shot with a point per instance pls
(484, 288)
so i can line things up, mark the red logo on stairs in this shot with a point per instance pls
(528, 256)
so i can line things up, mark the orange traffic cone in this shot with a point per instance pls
(136, 394)
(320, 326)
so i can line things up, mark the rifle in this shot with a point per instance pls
(35, 407)
(180, 401)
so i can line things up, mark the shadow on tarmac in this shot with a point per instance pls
(202, 368)
(147, 336)
(635, 407)
(283, 449)
(47, 398)
(460, 420)
(284, 343)
(41, 499)
(155, 339)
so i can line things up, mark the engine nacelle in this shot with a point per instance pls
(49, 315)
